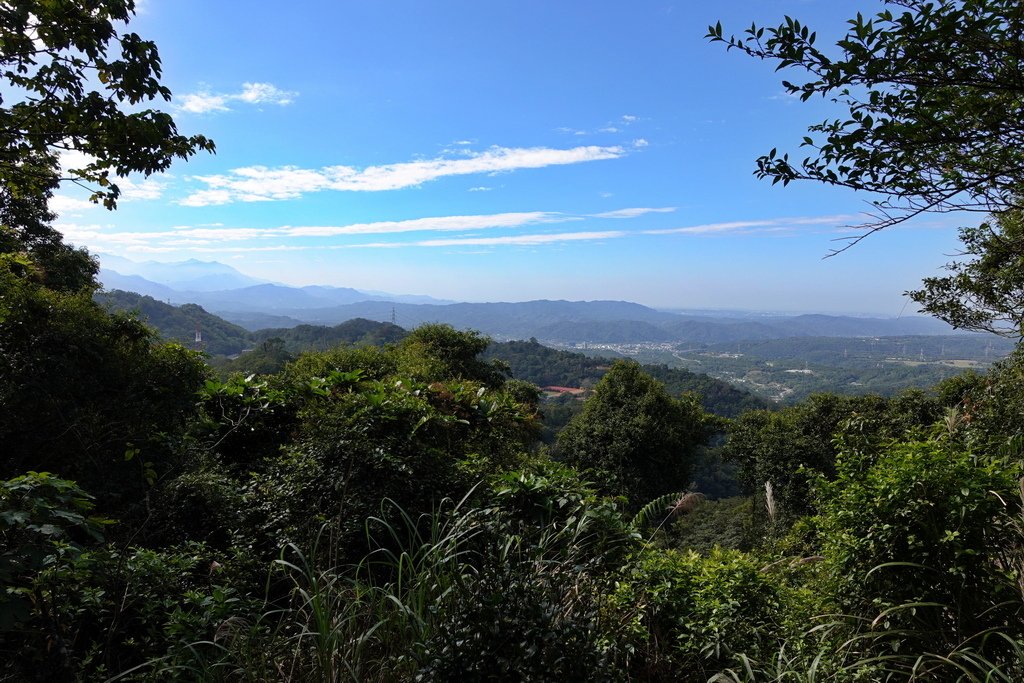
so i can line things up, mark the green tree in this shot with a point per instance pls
(81, 389)
(793, 446)
(71, 71)
(633, 437)
(684, 617)
(441, 352)
(269, 357)
(986, 292)
(934, 94)
(75, 82)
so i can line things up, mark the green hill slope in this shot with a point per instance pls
(178, 323)
(544, 366)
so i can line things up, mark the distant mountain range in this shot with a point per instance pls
(613, 322)
(220, 288)
(254, 305)
(191, 275)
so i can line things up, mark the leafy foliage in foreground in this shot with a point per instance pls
(87, 395)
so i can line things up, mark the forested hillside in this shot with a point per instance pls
(269, 350)
(543, 366)
(180, 323)
(320, 338)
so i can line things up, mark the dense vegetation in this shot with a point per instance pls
(221, 338)
(543, 366)
(179, 323)
(374, 513)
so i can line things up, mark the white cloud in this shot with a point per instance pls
(185, 236)
(131, 190)
(480, 188)
(609, 127)
(265, 93)
(70, 159)
(709, 228)
(436, 224)
(145, 190)
(81, 235)
(507, 240)
(504, 240)
(633, 212)
(523, 240)
(785, 96)
(63, 205)
(767, 225)
(206, 198)
(640, 142)
(204, 101)
(260, 183)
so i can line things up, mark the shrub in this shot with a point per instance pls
(687, 616)
(913, 533)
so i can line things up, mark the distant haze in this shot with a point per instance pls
(255, 304)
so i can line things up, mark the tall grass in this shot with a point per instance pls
(343, 622)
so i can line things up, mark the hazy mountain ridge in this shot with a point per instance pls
(219, 287)
(616, 322)
(190, 275)
(256, 304)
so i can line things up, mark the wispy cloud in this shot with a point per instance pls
(616, 126)
(506, 229)
(787, 97)
(260, 183)
(505, 240)
(204, 101)
(633, 212)
(186, 236)
(265, 93)
(135, 188)
(772, 225)
(436, 224)
(523, 240)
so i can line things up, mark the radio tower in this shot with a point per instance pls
(394, 317)
(199, 337)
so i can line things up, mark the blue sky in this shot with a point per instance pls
(501, 151)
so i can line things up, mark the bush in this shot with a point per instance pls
(108, 611)
(914, 533)
(686, 616)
